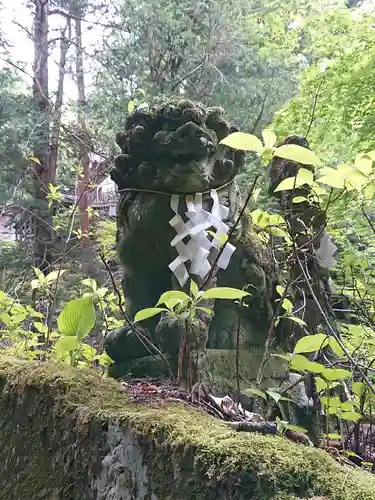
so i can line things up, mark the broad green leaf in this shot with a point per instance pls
(347, 406)
(274, 395)
(35, 284)
(255, 392)
(77, 318)
(51, 277)
(39, 274)
(358, 388)
(269, 138)
(205, 310)
(363, 164)
(193, 288)
(245, 142)
(91, 283)
(280, 290)
(224, 293)
(297, 153)
(66, 345)
(332, 402)
(295, 428)
(335, 346)
(321, 384)
(148, 313)
(143, 105)
(332, 436)
(34, 160)
(131, 106)
(173, 294)
(301, 363)
(371, 155)
(332, 374)
(299, 199)
(352, 416)
(299, 321)
(332, 178)
(287, 306)
(287, 184)
(311, 343)
(42, 328)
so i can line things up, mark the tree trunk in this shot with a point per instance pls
(65, 39)
(42, 219)
(83, 179)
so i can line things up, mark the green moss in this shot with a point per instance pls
(56, 417)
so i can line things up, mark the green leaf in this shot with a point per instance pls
(91, 283)
(35, 284)
(332, 436)
(295, 428)
(131, 106)
(173, 294)
(66, 345)
(299, 199)
(269, 138)
(274, 395)
(358, 388)
(301, 363)
(224, 293)
(255, 392)
(42, 328)
(304, 176)
(287, 306)
(287, 184)
(363, 164)
(351, 416)
(280, 290)
(335, 346)
(347, 406)
(332, 374)
(297, 153)
(299, 321)
(311, 343)
(205, 310)
(321, 385)
(39, 274)
(77, 318)
(148, 313)
(193, 289)
(34, 160)
(332, 178)
(245, 142)
(51, 277)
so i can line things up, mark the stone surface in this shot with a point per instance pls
(71, 435)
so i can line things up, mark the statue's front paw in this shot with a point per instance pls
(124, 344)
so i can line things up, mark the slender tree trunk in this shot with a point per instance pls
(83, 180)
(42, 220)
(55, 134)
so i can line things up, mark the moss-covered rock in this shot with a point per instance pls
(69, 434)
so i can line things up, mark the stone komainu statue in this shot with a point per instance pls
(174, 149)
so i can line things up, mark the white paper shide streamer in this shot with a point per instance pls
(198, 247)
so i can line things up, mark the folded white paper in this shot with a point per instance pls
(197, 249)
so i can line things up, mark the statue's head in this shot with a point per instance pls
(175, 148)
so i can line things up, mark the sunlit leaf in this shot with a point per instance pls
(148, 313)
(299, 321)
(295, 428)
(224, 293)
(321, 384)
(205, 310)
(269, 138)
(363, 164)
(332, 436)
(65, 345)
(304, 176)
(335, 346)
(255, 392)
(311, 343)
(332, 374)
(131, 106)
(91, 283)
(301, 363)
(297, 153)
(77, 318)
(358, 388)
(52, 276)
(352, 416)
(242, 141)
(193, 288)
(173, 294)
(274, 395)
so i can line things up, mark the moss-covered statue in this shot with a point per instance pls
(174, 150)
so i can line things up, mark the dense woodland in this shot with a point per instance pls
(288, 67)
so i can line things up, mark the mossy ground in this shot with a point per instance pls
(52, 434)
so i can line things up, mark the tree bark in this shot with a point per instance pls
(83, 179)
(42, 219)
(55, 134)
